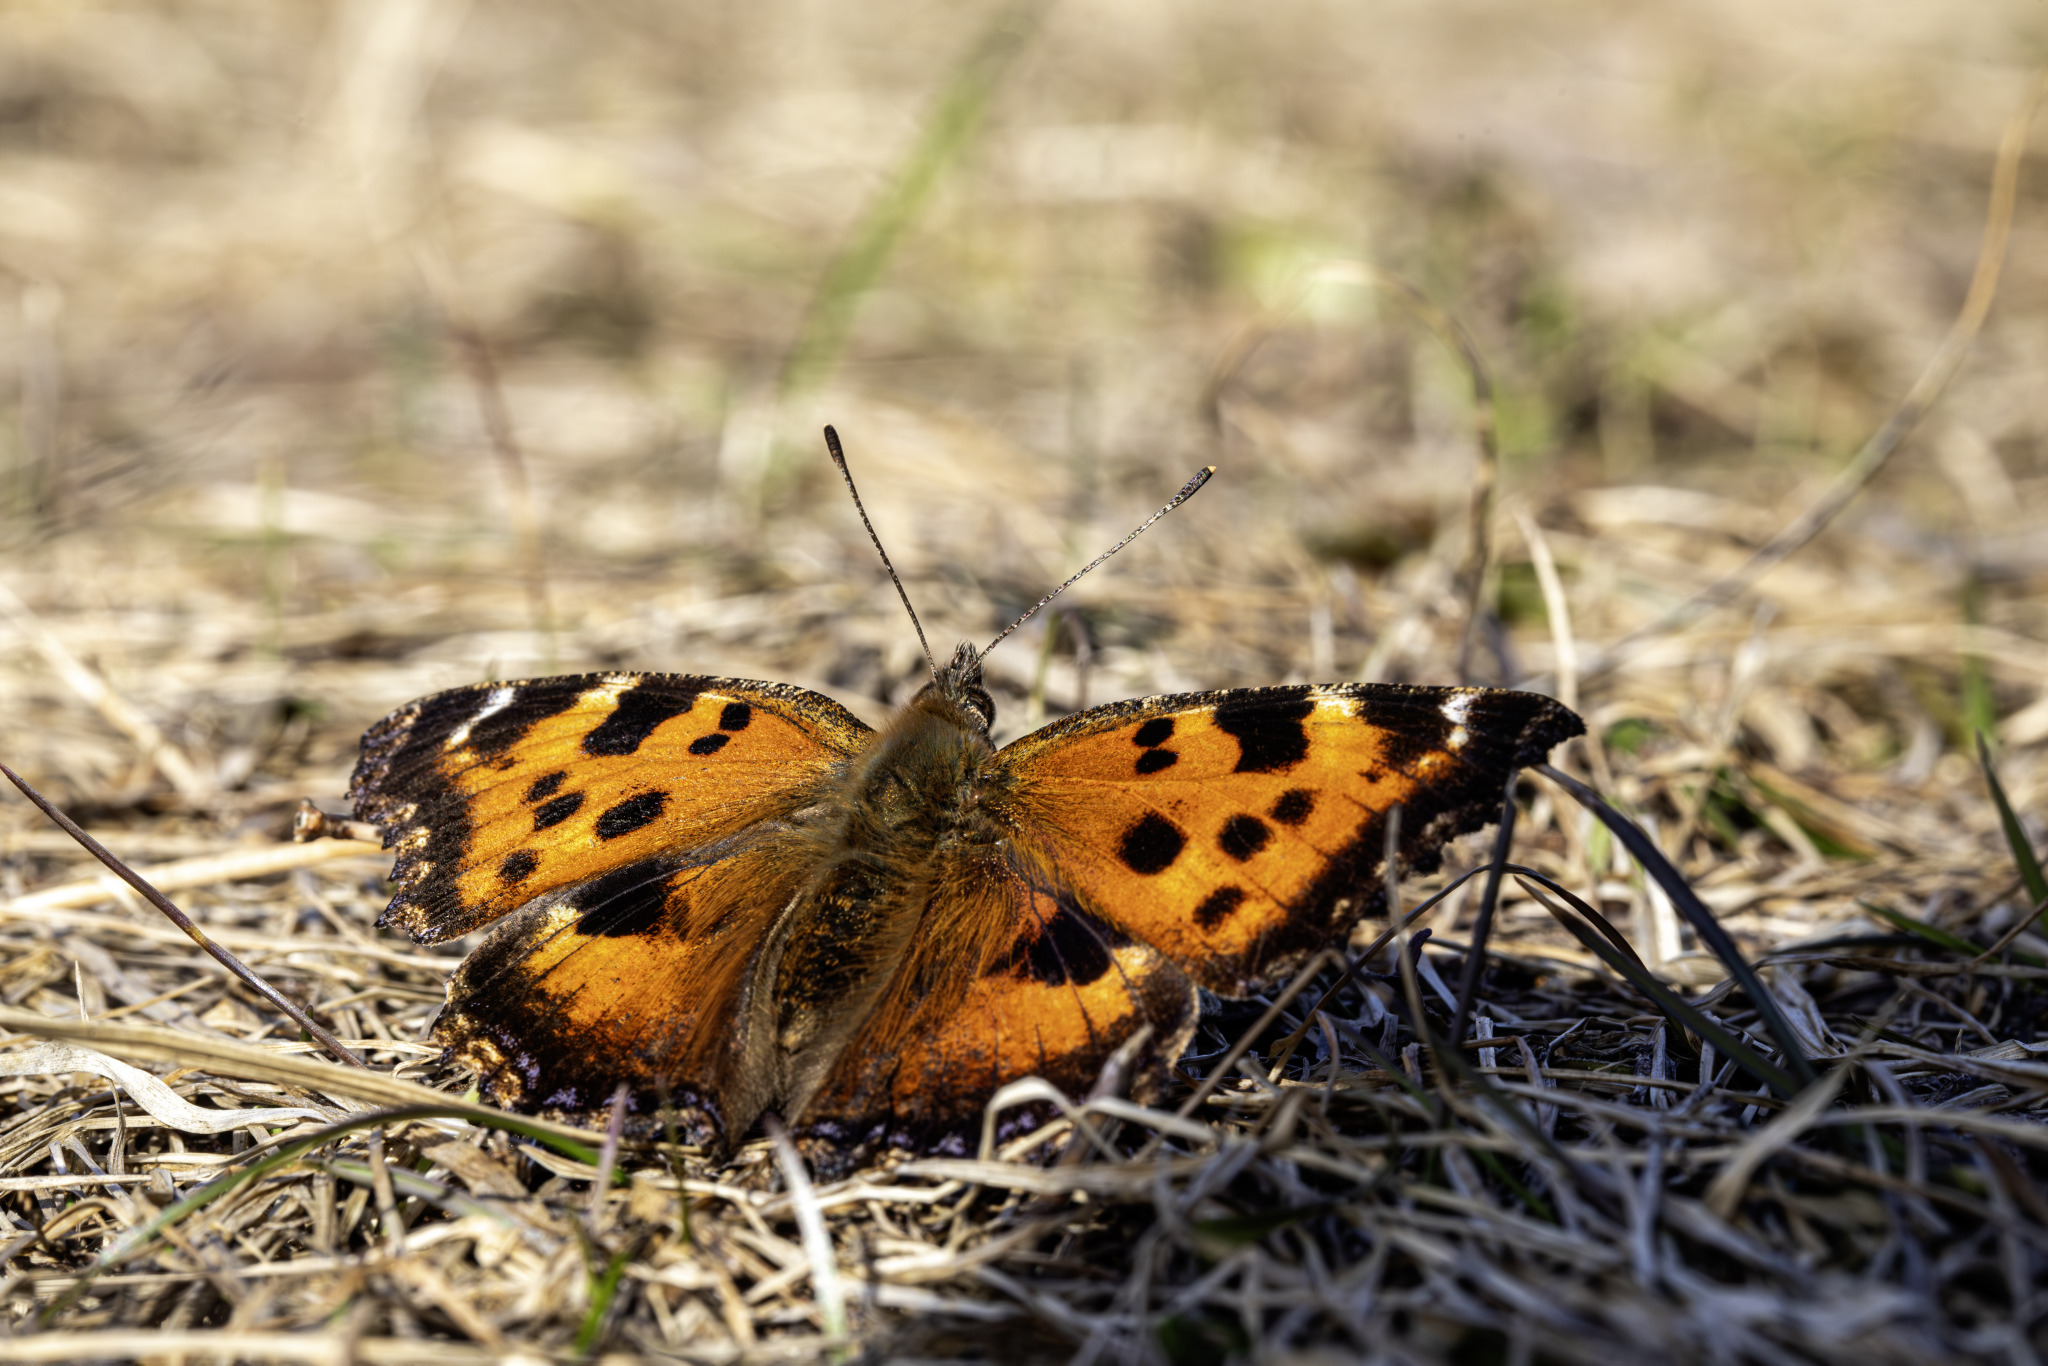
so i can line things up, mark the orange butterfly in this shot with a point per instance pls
(734, 897)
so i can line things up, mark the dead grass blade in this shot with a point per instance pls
(156, 1044)
(211, 870)
(118, 711)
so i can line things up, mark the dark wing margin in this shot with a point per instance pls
(1505, 731)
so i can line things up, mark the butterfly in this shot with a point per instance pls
(731, 897)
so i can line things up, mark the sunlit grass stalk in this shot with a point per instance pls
(948, 131)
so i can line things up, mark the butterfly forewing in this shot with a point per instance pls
(498, 794)
(1237, 831)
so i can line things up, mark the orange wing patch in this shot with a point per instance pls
(1053, 998)
(1237, 831)
(638, 977)
(497, 794)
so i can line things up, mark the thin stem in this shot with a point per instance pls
(184, 922)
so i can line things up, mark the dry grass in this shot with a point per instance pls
(369, 351)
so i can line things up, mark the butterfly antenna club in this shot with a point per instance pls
(1187, 491)
(839, 459)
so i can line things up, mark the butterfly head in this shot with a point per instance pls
(957, 684)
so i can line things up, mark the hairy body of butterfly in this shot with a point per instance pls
(730, 897)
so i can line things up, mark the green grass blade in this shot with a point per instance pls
(1531, 1201)
(2015, 834)
(1920, 929)
(412, 1183)
(1242, 1230)
(1937, 936)
(1975, 701)
(603, 1290)
(1688, 904)
(136, 1239)
(947, 133)
(1681, 1012)
(1638, 970)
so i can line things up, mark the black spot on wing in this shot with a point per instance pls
(634, 719)
(1156, 760)
(545, 786)
(1269, 729)
(1294, 806)
(1413, 726)
(735, 716)
(1157, 731)
(518, 866)
(709, 744)
(1218, 906)
(556, 811)
(529, 1054)
(1069, 948)
(492, 735)
(631, 814)
(416, 779)
(1151, 845)
(631, 900)
(1243, 836)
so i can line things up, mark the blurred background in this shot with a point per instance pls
(350, 351)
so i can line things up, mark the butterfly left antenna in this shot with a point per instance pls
(839, 459)
(1187, 491)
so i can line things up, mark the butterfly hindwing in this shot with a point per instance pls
(1237, 831)
(638, 977)
(1029, 984)
(502, 793)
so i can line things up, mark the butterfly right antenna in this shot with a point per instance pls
(1187, 491)
(839, 459)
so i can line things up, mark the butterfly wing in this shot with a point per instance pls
(502, 793)
(1211, 838)
(1009, 979)
(640, 977)
(1235, 832)
(634, 832)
